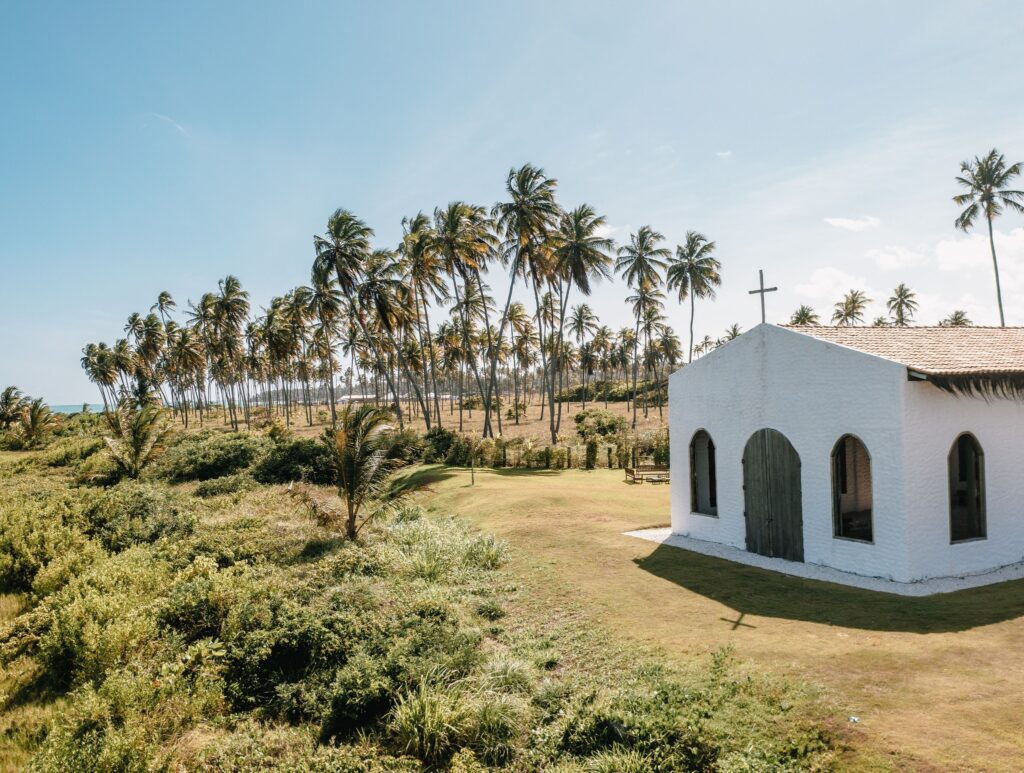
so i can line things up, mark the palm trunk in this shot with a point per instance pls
(692, 309)
(995, 267)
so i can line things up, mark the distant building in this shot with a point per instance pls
(885, 452)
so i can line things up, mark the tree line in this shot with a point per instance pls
(415, 326)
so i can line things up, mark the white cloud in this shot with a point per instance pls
(892, 257)
(171, 122)
(854, 223)
(724, 154)
(829, 284)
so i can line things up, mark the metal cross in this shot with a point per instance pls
(762, 291)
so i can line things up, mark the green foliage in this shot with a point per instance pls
(70, 451)
(596, 423)
(209, 454)
(617, 392)
(229, 484)
(137, 437)
(300, 459)
(249, 638)
(132, 513)
(36, 528)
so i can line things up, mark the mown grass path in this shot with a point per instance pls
(936, 683)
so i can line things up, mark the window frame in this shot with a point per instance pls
(837, 481)
(979, 452)
(711, 472)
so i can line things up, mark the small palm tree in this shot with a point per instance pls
(957, 318)
(850, 310)
(639, 262)
(881, 322)
(804, 315)
(732, 332)
(137, 437)
(902, 305)
(694, 272)
(364, 446)
(11, 403)
(36, 422)
(987, 182)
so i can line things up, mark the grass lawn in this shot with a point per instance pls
(936, 683)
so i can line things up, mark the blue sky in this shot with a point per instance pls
(148, 147)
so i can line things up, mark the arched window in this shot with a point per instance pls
(966, 489)
(703, 487)
(851, 489)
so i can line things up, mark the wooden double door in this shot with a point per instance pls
(772, 496)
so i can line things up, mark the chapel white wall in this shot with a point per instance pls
(813, 392)
(933, 420)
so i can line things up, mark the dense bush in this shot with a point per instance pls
(254, 639)
(132, 513)
(615, 391)
(300, 459)
(68, 452)
(229, 484)
(209, 454)
(36, 527)
(596, 423)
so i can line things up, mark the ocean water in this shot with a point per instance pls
(76, 408)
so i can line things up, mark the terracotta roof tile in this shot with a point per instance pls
(938, 351)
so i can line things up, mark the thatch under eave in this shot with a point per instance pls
(984, 385)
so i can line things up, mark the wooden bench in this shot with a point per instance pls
(655, 473)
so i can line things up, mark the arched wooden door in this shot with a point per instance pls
(772, 496)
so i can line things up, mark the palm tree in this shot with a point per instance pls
(732, 332)
(425, 267)
(881, 322)
(957, 318)
(363, 445)
(11, 404)
(581, 257)
(640, 262)
(36, 422)
(694, 272)
(850, 310)
(804, 315)
(346, 247)
(325, 304)
(137, 437)
(524, 223)
(986, 180)
(902, 305)
(164, 304)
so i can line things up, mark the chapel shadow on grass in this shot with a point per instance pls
(753, 591)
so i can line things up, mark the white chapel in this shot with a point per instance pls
(882, 451)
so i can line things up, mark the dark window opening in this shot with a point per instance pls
(966, 489)
(851, 490)
(703, 483)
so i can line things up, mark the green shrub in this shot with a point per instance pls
(495, 726)
(71, 451)
(210, 454)
(430, 722)
(485, 552)
(132, 513)
(33, 533)
(437, 443)
(596, 423)
(490, 610)
(302, 459)
(229, 484)
(96, 623)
